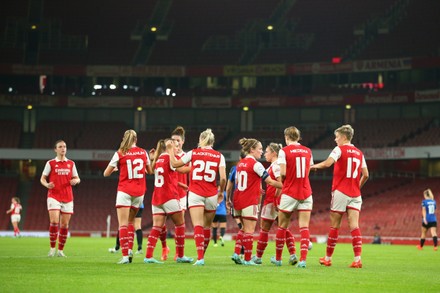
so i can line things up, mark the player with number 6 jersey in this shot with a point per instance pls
(133, 164)
(349, 175)
(295, 161)
(206, 165)
(165, 203)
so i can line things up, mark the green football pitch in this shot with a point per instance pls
(89, 267)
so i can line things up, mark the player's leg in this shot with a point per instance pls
(268, 215)
(197, 216)
(208, 218)
(214, 230)
(64, 230)
(422, 237)
(263, 238)
(158, 222)
(138, 230)
(332, 239)
(179, 237)
(356, 237)
(434, 236)
(123, 215)
(16, 230)
(222, 229)
(283, 223)
(303, 221)
(130, 230)
(54, 208)
(248, 237)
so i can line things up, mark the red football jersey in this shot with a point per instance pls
(297, 159)
(132, 167)
(16, 208)
(248, 183)
(60, 173)
(183, 178)
(165, 181)
(274, 173)
(347, 171)
(205, 163)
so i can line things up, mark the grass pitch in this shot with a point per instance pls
(89, 267)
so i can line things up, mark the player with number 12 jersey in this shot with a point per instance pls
(132, 179)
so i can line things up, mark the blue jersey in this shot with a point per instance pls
(221, 208)
(429, 205)
(231, 176)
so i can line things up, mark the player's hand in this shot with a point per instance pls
(169, 144)
(74, 181)
(50, 185)
(220, 197)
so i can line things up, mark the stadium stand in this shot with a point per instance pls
(10, 133)
(378, 133)
(106, 43)
(411, 37)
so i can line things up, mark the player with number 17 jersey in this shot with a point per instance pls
(132, 170)
(349, 162)
(205, 163)
(298, 158)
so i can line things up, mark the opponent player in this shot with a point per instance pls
(349, 175)
(429, 220)
(220, 222)
(59, 175)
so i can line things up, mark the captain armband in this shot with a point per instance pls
(265, 175)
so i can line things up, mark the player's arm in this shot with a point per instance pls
(43, 179)
(184, 169)
(282, 164)
(170, 150)
(222, 175)
(259, 169)
(324, 164)
(183, 186)
(270, 181)
(112, 166)
(282, 172)
(229, 187)
(424, 215)
(10, 210)
(278, 190)
(364, 177)
(109, 170)
(75, 177)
